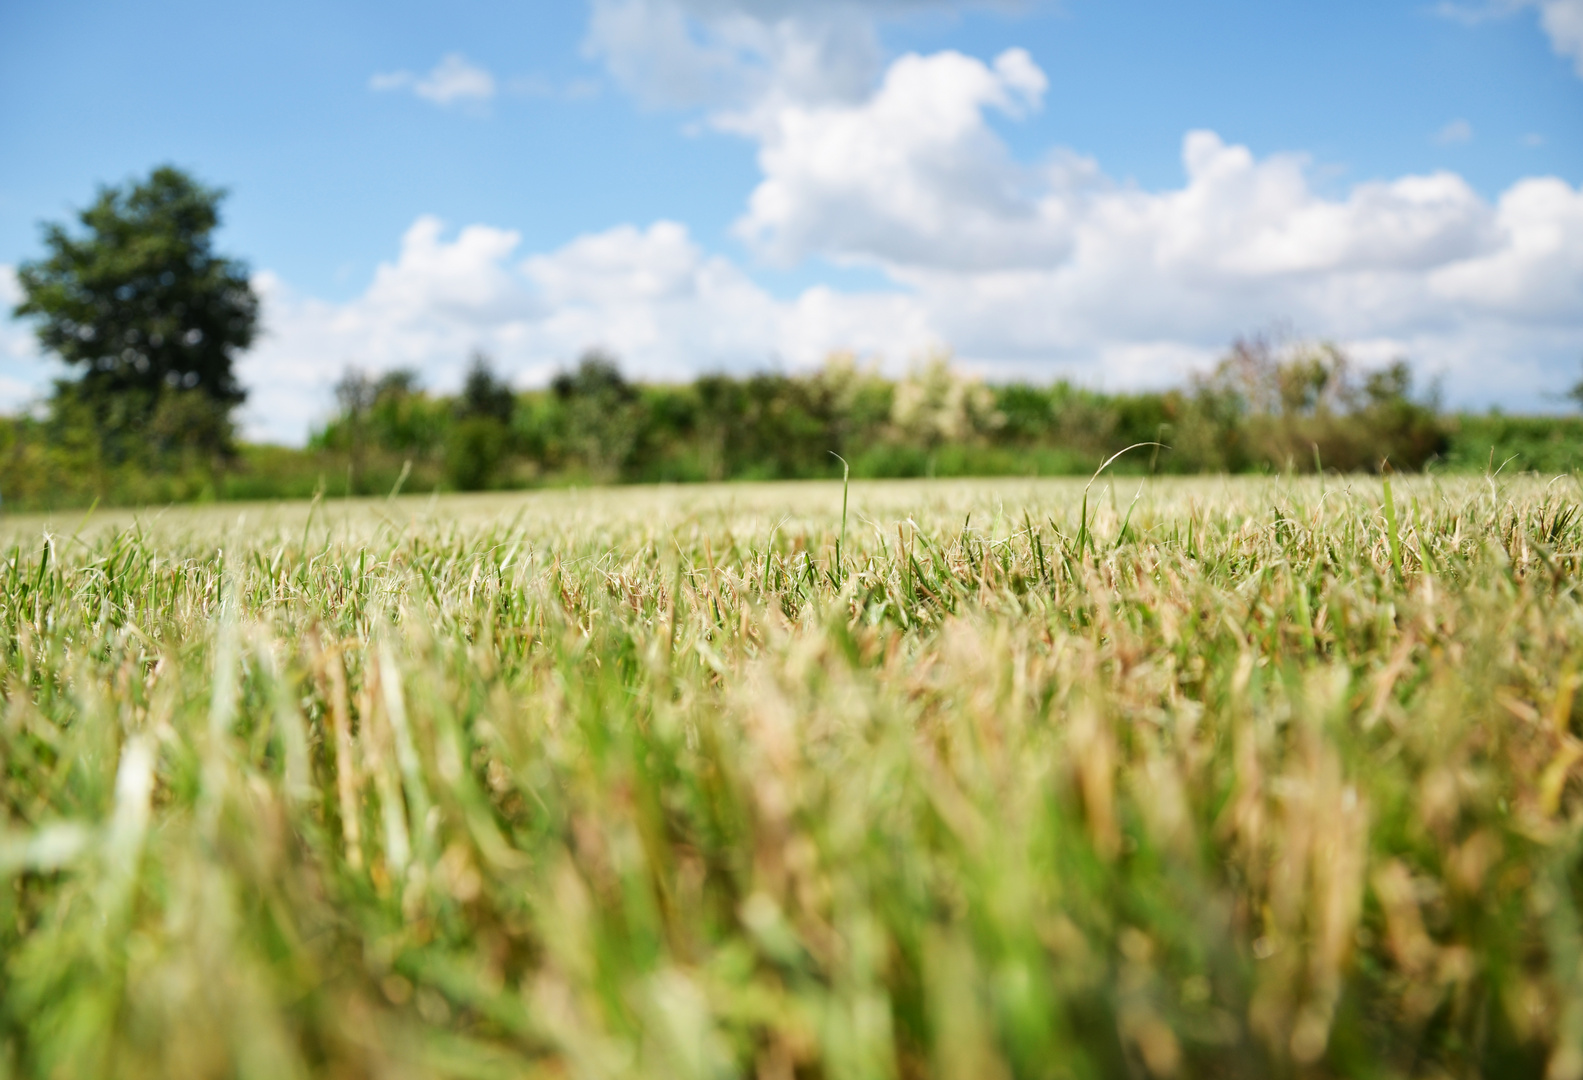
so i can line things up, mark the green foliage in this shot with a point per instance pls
(389, 413)
(599, 417)
(766, 426)
(480, 438)
(484, 394)
(476, 449)
(150, 314)
(1495, 442)
(1305, 407)
(1263, 410)
(1230, 778)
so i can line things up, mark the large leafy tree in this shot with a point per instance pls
(140, 302)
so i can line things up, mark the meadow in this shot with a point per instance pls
(1022, 778)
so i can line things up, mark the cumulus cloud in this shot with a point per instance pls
(651, 295)
(1561, 20)
(913, 174)
(915, 180)
(1458, 131)
(1029, 267)
(675, 54)
(453, 80)
(462, 278)
(732, 56)
(24, 374)
(1534, 273)
(1032, 265)
(1156, 282)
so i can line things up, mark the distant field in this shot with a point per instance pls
(1199, 778)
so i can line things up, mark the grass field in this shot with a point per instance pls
(1202, 778)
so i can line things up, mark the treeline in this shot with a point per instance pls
(1302, 407)
(1262, 409)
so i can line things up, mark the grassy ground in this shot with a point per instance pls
(1222, 778)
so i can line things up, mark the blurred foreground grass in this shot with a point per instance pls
(1203, 778)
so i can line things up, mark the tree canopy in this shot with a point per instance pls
(484, 394)
(140, 302)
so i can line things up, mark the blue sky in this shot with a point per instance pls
(1100, 191)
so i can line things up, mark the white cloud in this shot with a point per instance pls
(1025, 266)
(1561, 20)
(914, 180)
(912, 175)
(1458, 131)
(1032, 268)
(454, 79)
(676, 54)
(650, 295)
(463, 278)
(734, 55)
(1158, 282)
(1535, 272)
(24, 374)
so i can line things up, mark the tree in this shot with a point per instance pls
(601, 411)
(934, 406)
(1304, 404)
(355, 394)
(485, 394)
(482, 436)
(140, 301)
